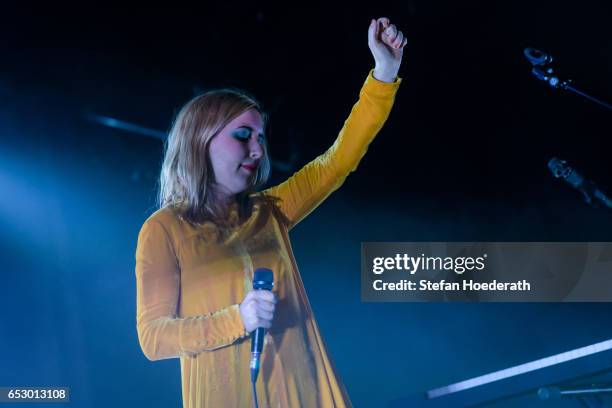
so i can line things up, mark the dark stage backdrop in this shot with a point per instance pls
(462, 158)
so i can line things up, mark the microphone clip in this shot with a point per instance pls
(542, 69)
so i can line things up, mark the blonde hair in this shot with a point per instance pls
(186, 181)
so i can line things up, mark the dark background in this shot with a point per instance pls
(462, 158)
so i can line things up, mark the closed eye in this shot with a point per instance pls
(244, 133)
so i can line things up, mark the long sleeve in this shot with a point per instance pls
(160, 332)
(312, 184)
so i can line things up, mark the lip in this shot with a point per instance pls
(249, 167)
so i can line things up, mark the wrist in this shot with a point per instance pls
(383, 74)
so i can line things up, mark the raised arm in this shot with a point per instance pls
(307, 188)
(161, 333)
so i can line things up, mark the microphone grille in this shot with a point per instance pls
(263, 278)
(559, 168)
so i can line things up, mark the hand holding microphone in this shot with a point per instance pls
(257, 309)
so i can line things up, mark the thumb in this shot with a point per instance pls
(372, 31)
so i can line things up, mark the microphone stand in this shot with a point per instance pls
(589, 396)
(543, 70)
(547, 74)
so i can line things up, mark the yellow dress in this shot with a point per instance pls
(191, 278)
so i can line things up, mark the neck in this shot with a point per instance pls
(224, 199)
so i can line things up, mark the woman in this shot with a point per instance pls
(196, 255)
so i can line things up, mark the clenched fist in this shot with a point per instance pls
(387, 44)
(257, 309)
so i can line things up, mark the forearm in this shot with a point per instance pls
(166, 337)
(365, 121)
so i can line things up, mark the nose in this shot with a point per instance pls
(255, 148)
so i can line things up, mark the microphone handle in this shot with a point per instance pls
(257, 340)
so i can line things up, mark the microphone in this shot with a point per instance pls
(263, 279)
(560, 169)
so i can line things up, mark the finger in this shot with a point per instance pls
(268, 302)
(404, 43)
(399, 39)
(384, 21)
(250, 295)
(268, 306)
(391, 32)
(247, 302)
(250, 311)
(264, 314)
(254, 297)
(266, 295)
(251, 324)
(381, 24)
